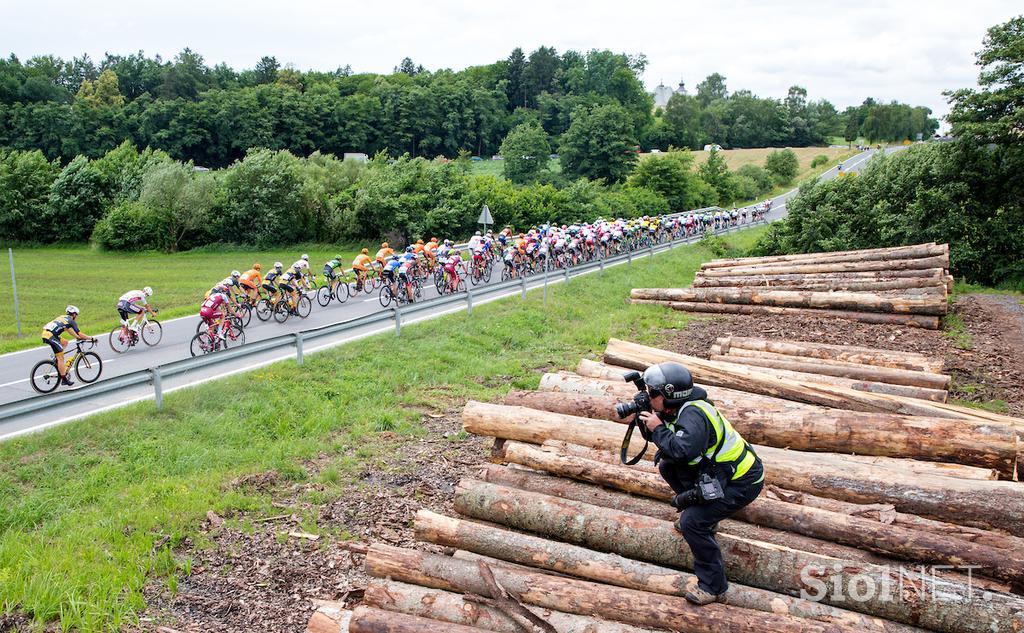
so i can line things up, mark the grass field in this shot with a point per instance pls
(736, 158)
(49, 278)
(82, 505)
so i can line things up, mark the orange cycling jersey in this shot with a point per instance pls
(384, 253)
(251, 278)
(417, 248)
(430, 247)
(361, 262)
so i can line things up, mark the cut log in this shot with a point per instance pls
(916, 251)
(851, 285)
(748, 562)
(909, 320)
(784, 268)
(844, 353)
(597, 369)
(786, 371)
(576, 491)
(329, 618)
(615, 570)
(637, 608)
(761, 381)
(927, 274)
(370, 620)
(830, 367)
(934, 305)
(963, 501)
(786, 424)
(400, 597)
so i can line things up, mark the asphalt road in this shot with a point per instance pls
(177, 333)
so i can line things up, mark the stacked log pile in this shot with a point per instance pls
(872, 519)
(905, 285)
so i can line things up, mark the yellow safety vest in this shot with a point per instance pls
(731, 448)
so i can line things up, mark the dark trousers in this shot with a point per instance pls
(699, 522)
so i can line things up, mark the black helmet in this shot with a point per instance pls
(674, 382)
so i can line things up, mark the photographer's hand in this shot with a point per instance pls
(650, 419)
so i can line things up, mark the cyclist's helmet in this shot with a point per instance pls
(383, 244)
(278, 266)
(257, 266)
(420, 242)
(365, 251)
(408, 249)
(304, 257)
(338, 257)
(147, 291)
(235, 274)
(477, 233)
(434, 240)
(447, 242)
(71, 310)
(394, 257)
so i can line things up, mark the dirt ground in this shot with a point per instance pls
(263, 581)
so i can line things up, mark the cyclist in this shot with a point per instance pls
(361, 264)
(474, 242)
(418, 247)
(451, 266)
(429, 250)
(384, 253)
(288, 284)
(134, 303)
(389, 274)
(52, 336)
(251, 280)
(406, 270)
(227, 286)
(330, 268)
(270, 281)
(213, 311)
(301, 268)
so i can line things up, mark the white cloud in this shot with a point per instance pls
(907, 51)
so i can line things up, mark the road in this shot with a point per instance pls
(177, 333)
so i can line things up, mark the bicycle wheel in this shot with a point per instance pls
(44, 376)
(342, 291)
(487, 274)
(153, 333)
(304, 307)
(281, 311)
(200, 326)
(202, 343)
(244, 314)
(236, 338)
(323, 296)
(120, 340)
(264, 309)
(385, 295)
(371, 284)
(88, 367)
(461, 287)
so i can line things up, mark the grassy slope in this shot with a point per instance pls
(49, 278)
(81, 505)
(736, 158)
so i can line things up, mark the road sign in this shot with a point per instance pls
(485, 216)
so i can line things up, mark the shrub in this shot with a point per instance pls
(759, 175)
(783, 165)
(264, 201)
(745, 187)
(76, 203)
(129, 226)
(819, 160)
(25, 182)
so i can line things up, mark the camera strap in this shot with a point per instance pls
(625, 443)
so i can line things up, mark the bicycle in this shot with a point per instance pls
(337, 288)
(264, 307)
(283, 308)
(87, 366)
(226, 336)
(480, 272)
(123, 338)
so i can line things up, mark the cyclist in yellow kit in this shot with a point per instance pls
(51, 335)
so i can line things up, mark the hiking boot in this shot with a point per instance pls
(698, 596)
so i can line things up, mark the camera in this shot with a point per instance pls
(707, 489)
(641, 402)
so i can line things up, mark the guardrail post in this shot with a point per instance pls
(565, 271)
(298, 348)
(158, 388)
(14, 287)
(629, 256)
(398, 321)
(522, 281)
(600, 261)
(651, 256)
(469, 301)
(547, 267)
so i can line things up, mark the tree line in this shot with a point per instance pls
(969, 192)
(213, 115)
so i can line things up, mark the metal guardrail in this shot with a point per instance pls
(155, 375)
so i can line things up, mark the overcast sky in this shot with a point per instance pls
(842, 51)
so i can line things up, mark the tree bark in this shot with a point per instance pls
(615, 570)
(829, 367)
(933, 304)
(757, 564)
(637, 608)
(849, 285)
(370, 620)
(400, 597)
(927, 274)
(909, 320)
(329, 619)
(843, 353)
(916, 251)
(597, 369)
(786, 268)
(968, 502)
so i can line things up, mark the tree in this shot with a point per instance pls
(539, 75)
(76, 203)
(682, 117)
(715, 172)
(515, 89)
(407, 67)
(26, 179)
(266, 70)
(600, 143)
(783, 165)
(100, 93)
(994, 114)
(711, 89)
(670, 175)
(181, 199)
(525, 150)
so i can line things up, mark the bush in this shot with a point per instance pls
(671, 175)
(745, 187)
(129, 226)
(819, 160)
(783, 165)
(76, 203)
(759, 175)
(182, 200)
(525, 150)
(25, 182)
(264, 201)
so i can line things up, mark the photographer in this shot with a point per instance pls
(712, 470)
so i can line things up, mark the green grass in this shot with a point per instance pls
(995, 406)
(82, 505)
(496, 168)
(49, 278)
(953, 327)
